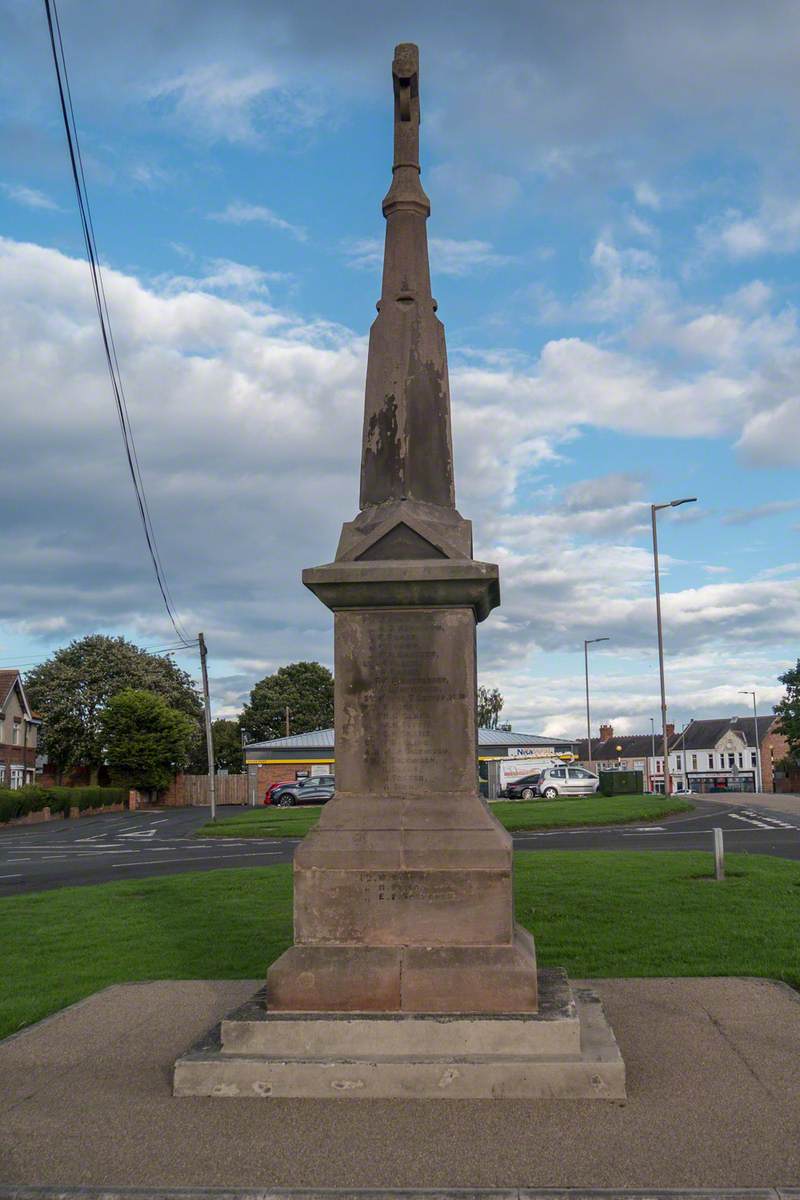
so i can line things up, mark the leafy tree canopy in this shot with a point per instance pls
(490, 705)
(306, 688)
(788, 710)
(146, 741)
(72, 688)
(226, 735)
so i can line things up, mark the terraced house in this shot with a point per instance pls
(19, 731)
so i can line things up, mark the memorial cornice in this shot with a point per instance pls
(435, 583)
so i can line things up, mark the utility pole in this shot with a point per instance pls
(212, 783)
(654, 508)
(651, 771)
(758, 782)
(587, 642)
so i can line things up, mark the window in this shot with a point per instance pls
(678, 762)
(731, 760)
(559, 773)
(659, 766)
(694, 762)
(741, 759)
(711, 762)
(17, 777)
(752, 758)
(15, 734)
(2, 772)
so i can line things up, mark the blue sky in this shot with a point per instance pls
(614, 237)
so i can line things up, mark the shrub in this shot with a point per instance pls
(34, 798)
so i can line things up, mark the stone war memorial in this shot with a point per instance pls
(408, 976)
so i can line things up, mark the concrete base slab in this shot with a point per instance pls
(713, 1102)
(566, 1051)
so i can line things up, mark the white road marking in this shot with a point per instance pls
(751, 821)
(140, 833)
(650, 829)
(768, 817)
(18, 876)
(213, 857)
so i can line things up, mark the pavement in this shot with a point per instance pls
(713, 1102)
(152, 842)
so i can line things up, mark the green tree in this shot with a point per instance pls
(305, 688)
(145, 740)
(490, 705)
(788, 712)
(71, 689)
(226, 735)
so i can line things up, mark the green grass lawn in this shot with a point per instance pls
(272, 822)
(596, 913)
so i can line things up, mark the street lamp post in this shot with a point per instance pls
(587, 642)
(758, 781)
(655, 508)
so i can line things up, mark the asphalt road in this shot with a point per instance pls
(161, 842)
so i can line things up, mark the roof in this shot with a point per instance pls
(698, 735)
(702, 735)
(634, 745)
(322, 739)
(10, 679)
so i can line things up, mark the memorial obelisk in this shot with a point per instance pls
(402, 893)
(408, 975)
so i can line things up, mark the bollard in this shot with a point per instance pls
(719, 855)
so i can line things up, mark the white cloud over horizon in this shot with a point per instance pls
(247, 419)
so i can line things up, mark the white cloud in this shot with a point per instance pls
(746, 516)
(248, 421)
(774, 229)
(223, 102)
(223, 275)
(239, 213)
(646, 195)
(30, 197)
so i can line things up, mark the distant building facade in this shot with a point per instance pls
(289, 758)
(720, 754)
(19, 733)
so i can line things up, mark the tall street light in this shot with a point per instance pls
(654, 509)
(759, 782)
(587, 642)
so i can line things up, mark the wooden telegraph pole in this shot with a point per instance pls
(212, 783)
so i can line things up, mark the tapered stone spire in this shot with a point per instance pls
(407, 447)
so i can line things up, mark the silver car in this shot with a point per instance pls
(567, 781)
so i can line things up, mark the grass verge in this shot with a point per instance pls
(269, 822)
(597, 913)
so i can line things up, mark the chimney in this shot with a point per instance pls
(670, 730)
(606, 732)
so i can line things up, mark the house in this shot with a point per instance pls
(715, 755)
(630, 752)
(722, 754)
(313, 753)
(18, 733)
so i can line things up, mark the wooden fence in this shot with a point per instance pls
(193, 789)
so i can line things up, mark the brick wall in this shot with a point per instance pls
(774, 747)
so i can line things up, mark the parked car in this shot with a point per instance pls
(525, 788)
(273, 787)
(567, 781)
(317, 789)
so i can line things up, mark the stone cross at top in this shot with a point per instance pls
(405, 74)
(407, 448)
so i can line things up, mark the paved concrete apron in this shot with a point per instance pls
(714, 1101)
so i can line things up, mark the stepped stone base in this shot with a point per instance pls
(566, 1050)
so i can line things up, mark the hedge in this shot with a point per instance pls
(33, 798)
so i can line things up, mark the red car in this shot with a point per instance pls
(273, 787)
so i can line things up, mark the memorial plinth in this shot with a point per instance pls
(407, 966)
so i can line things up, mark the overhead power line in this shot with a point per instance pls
(109, 347)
